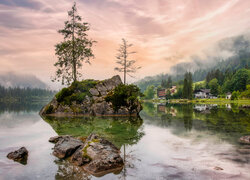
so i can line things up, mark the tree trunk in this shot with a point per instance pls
(125, 61)
(73, 50)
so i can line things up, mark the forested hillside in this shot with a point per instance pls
(238, 48)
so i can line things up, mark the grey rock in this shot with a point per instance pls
(100, 108)
(110, 84)
(66, 146)
(97, 155)
(78, 158)
(20, 155)
(102, 89)
(94, 92)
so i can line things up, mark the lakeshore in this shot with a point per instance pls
(219, 101)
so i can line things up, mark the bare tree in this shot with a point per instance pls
(126, 65)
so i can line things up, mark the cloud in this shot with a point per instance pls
(164, 32)
(32, 4)
(223, 50)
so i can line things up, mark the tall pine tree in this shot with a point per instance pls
(188, 86)
(74, 49)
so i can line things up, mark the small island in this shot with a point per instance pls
(96, 98)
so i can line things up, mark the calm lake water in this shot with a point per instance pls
(168, 142)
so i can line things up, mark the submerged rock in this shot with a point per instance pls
(245, 140)
(20, 155)
(96, 155)
(65, 146)
(88, 98)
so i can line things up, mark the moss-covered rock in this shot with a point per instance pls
(92, 97)
(97, 155)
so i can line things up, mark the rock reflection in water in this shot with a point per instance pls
(68, 171)
(118, 130)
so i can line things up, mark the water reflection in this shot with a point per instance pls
(228, 121)
(119, 130)
(172, 141)
(21, 106)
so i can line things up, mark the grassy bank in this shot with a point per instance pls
(203, 101)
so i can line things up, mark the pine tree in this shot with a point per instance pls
(74, 49)
(163, 83)
(169, 82)
(126, 66)
(188, 86)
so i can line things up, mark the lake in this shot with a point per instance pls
(168, 141)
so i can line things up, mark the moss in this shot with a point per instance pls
(60, 96)
(76, 109)
(76, 92)
(49, 109)
(66, 110)
(95, 140)
(85, 154)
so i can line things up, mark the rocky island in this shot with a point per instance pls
(93, 97)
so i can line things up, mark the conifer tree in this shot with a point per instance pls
(74, 49)
(188, 86)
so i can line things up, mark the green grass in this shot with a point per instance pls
(202, 101)
(212, 101)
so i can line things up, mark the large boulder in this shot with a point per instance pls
(65, 146)
(95, 155)
(110, 84)
(98, 154)
(89, 99)
(20, 155)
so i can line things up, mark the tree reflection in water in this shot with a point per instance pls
(228, 121)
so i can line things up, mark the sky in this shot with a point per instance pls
(164, 32)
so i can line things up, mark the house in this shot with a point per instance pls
(228, 95)
(161, 93)
(202, 94)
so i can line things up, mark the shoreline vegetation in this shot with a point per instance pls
(202, 101)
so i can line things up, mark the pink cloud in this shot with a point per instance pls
(158, 29)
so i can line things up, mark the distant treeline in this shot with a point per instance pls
(24, 94)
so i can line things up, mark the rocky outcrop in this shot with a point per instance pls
(95, 155)
(94, 102)
(244, 140)
(20, 155)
